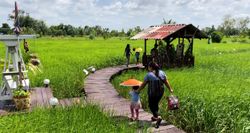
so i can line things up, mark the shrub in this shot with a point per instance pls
(91, 37)
(234, 40)
(217, 36)
(243, 41)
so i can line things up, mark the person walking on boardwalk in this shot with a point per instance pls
(127, 52)
(135, 103)
(155, 79)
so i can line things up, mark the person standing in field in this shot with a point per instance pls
(155, 79)
(127, 53)
(137, 54)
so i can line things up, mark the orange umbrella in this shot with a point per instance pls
(131, 82)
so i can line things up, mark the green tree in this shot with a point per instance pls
(217, 36)
(5, 29)
(114, 33)
(105, 33)
(122, 33)
(209, 30)
(80, 31)
(243, 25)
(228, 27)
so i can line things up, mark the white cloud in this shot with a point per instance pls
(127, 13)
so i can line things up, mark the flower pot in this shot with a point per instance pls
(22, 103)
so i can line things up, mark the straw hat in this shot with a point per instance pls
(131, 82)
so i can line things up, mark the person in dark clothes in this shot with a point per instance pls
(155, 79)
(127, 52)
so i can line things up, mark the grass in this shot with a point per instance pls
(87, 118)
(214, 95)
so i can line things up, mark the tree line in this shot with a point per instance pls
(30, 25)
(231, 26)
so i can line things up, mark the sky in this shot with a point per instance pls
(124, 14)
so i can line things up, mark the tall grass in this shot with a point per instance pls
(85, 119)
(214, 95)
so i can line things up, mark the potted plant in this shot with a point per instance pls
(21, 98)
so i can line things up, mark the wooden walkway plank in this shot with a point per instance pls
(39, 97)
(67, 102)
(62, 103)
(45, 98)
(33, 98)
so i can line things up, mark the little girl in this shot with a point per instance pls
(135, 104)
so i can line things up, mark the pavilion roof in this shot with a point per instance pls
(169, 31)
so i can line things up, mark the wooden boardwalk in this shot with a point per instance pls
(39, 98)
(100, 91)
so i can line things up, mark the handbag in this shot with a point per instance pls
(173, 102)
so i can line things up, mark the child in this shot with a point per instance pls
(135, 103)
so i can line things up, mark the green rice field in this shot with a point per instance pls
(214, 95)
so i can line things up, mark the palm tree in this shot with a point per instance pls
(168, 22)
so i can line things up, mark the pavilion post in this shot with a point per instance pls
(155, 41)
(144, 57)
(145, 46)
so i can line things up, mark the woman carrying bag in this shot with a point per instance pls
(155, 79)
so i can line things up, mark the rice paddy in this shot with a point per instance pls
(87, 119)
(214, 95)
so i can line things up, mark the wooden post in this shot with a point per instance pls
(144, 57)
(145, 46)
(20, 73)
(192, 42)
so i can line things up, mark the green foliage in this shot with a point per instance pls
(216, 36)
(5, 29)
(224, 41)
(20, 92)
(133, 31)
(86, 118)
(208, 30)
(232, 26)
(91, 36)
(170, 21)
